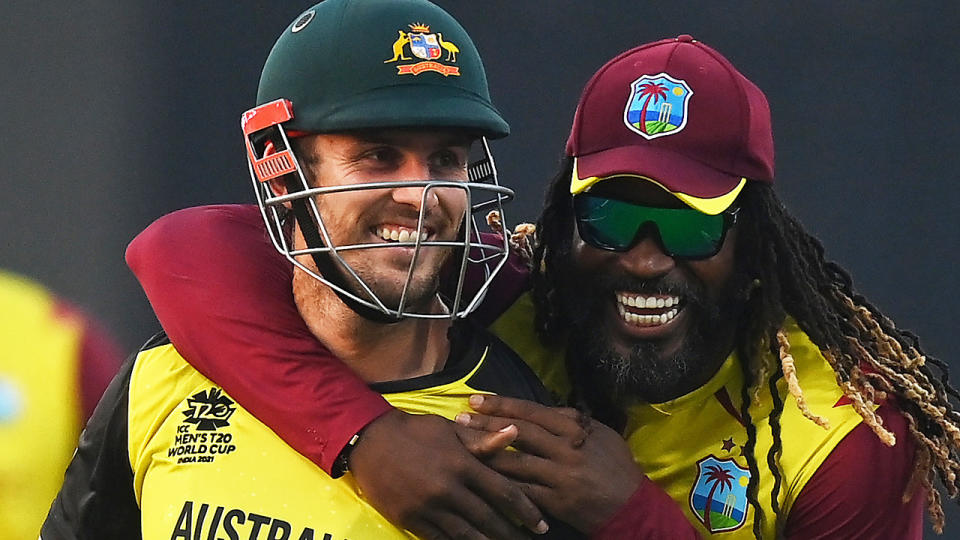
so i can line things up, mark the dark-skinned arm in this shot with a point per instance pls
(223, 294)
(578, 468)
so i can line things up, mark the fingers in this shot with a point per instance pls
(493, 489)
(485, 442)
(426, 530)
(417, 471)
(529, 437)
(483, 422)
(523, 467)
(559, 421)
(472, 516)
(508, 498)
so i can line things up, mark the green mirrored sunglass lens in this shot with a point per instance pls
(614, 224)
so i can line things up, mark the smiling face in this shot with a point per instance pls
(386, 216)
(653, 325)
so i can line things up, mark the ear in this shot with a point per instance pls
(277, 185)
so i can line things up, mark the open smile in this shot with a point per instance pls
(648, 311)
(400, 233)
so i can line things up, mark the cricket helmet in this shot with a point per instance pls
(347, 65)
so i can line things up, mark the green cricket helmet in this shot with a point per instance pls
(347, 65)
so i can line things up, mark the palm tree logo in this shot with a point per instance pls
(719, 495)
(657, 105)
(650, 91)
(721, 478)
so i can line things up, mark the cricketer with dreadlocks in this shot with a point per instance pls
(668, 292)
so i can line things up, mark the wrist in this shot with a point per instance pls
(341, 464)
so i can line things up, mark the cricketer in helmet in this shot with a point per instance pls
(333, 137)
(370, 153)
(676, 298)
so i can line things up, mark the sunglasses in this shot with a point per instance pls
(684, 233)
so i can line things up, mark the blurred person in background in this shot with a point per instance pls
(55, 364)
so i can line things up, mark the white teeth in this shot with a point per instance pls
(650, 302)
(400, 235)
(637, 319)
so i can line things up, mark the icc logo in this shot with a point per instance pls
(209, 410)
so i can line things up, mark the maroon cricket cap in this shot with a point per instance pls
(678, 113)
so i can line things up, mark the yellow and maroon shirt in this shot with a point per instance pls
(692, 447)
(181, 459)
(839, 483)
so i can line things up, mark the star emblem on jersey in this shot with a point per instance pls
(728, 444)
(436, 53)
(719, 496)
(209, 410)
(657, 106)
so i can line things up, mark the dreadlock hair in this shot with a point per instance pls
(872, 359)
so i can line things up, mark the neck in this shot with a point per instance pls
(377, 352)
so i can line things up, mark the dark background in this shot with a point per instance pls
(116, 113)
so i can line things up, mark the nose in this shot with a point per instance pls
(415, 170)
(646, 260)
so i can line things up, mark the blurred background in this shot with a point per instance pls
(115, 113)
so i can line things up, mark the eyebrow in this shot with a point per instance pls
(446, 138)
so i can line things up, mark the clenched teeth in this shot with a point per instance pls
(628, 304)
(399, 234)
(646, 320)
(639, 301)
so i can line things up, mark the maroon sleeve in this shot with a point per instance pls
(511, 282)
(858, 490)
(650, 513)
(100, 357)
(223, 295)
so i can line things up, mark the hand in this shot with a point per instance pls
(421, 473)
(573, 466)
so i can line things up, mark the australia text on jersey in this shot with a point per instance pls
(197, 519)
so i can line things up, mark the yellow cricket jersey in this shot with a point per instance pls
(39, 402)
(692, 446)
(193, 464)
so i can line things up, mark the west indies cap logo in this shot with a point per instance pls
(657, 105)
(425, 45)
(719, 496)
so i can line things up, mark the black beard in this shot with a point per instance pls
(606, 380)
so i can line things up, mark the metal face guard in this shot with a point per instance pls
(270, 156)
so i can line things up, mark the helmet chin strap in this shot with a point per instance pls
(327, 267)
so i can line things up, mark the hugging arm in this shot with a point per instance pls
(223, 294)
(203, 270)
(580, 469)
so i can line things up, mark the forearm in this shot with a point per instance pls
(223, 295)
(649, 513)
